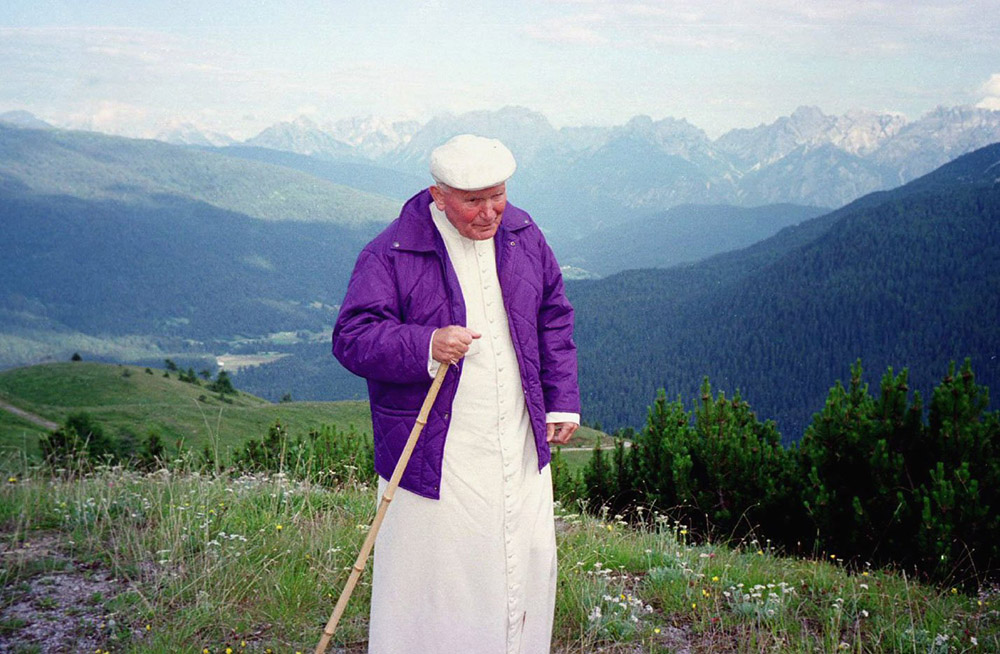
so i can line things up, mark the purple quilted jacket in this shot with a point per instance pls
(403, 287)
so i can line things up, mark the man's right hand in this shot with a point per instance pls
(449, 344)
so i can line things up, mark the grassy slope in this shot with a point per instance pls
(209, 563)
(90, 165)
(577, 454)
(142, 402)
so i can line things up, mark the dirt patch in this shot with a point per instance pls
(27, 415)
(55, 604)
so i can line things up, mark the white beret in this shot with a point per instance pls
(470, 163)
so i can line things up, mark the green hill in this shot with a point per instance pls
(128, 400)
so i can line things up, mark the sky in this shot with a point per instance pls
(138, 67)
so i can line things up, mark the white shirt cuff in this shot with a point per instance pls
(559, 416)
(432, 363)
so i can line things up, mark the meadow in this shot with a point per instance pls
(179, 561)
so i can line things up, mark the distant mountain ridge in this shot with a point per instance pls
(681, 235)
(577, 179)
(901, 278)
(91, 165)
(581, 178)
(859, 152)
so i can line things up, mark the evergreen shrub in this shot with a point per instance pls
(871, 480)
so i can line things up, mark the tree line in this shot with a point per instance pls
(878, 479)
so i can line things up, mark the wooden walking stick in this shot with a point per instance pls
(390, 490)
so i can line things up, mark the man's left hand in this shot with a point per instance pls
(560, 432)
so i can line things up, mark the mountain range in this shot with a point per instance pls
(906, 278)
(135, 250)
(586, 177)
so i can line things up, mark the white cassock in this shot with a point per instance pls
(475, 571)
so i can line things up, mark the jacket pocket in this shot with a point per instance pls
(391, 428)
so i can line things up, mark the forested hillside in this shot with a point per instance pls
(131, 250)
(169, 267)
(906, 278)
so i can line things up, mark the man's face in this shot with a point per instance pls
(475, 214)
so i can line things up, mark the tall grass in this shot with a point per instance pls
(255, 563)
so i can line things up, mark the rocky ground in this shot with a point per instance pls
(52, 603)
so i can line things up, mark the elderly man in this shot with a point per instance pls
(466, 559)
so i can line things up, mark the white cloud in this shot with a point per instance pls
(991, 89)
(860, 27)
(112, 117)
(992, 85)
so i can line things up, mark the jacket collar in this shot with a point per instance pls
(415, 230)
